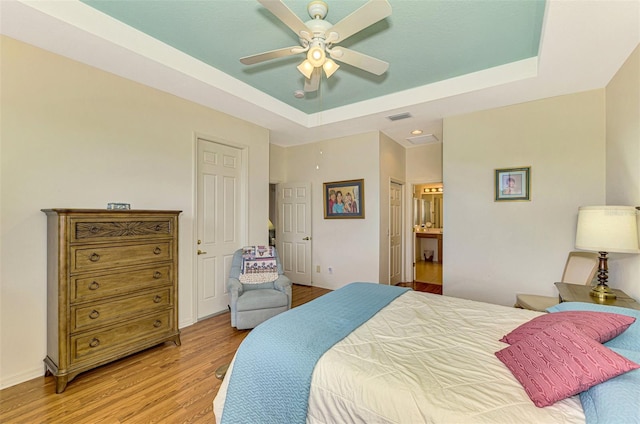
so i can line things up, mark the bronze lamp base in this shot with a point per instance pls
(602, 292)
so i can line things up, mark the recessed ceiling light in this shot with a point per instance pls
(416, 132)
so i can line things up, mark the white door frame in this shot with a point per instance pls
(243, 215)
(411, 240)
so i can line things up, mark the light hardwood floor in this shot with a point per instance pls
(164, 384)
(429, 272)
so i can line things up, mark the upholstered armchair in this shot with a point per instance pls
(252, 304)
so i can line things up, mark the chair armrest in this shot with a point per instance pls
(282, 283)
(235, 287)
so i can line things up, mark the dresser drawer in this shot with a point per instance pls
(86, 258)
(108, 312)
(99, 344)
(92, 229)
(97, 286)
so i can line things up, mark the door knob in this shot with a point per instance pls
(307, 238)
(200, 252)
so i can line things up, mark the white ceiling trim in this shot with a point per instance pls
(583, 44)
(396, 102)
(96, 23)
(92, 21)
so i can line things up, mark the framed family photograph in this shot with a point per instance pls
(513, 184)
(344, 199)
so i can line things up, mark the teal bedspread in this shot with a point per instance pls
(271, 376)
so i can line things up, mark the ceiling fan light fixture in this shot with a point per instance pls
(318, 39)
(306, 68)
(316, 56)
(330, 67)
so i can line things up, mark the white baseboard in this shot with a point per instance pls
(12, 380)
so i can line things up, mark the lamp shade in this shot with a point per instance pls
(330, 67)
(306, 69)
(316, 56)
(607, 229)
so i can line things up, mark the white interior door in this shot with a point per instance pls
(395, 230)
(219, 220)
(294, 230)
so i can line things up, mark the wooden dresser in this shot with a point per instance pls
(112, 286)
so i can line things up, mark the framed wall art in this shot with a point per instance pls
(344, 199)
(513, 184)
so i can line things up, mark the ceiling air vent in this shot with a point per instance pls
(423, 139)
(399, 116)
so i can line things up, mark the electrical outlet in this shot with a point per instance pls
(330, 268)
(317, 268)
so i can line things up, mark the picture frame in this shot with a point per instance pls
(343, 199)
(118, 206)
(513, 184)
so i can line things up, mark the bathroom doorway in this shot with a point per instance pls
(428, 232)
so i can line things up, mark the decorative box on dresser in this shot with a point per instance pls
(112, 286)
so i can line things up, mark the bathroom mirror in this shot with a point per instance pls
(428, 205)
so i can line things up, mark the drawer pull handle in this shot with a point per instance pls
(94, 229)
(157, 275)
(157, 324)
(158, 227)
(94, 257)
(94, 314)
(157, 299)
(157, 251)
(94, 285)
(94, 342)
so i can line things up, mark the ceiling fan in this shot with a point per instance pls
(319, 38)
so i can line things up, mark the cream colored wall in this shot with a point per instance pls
(493, 250)
(392, 168)
(277, 172)
(350, 246)
(76, 137)
(623, 162)
(424, 163)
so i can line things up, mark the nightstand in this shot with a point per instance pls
(580, 293)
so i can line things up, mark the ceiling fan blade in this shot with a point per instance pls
(313, 83)
(290, 19)
(359, 60)
(273, 54)
(367, 15)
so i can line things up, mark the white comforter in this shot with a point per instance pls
(426, 359)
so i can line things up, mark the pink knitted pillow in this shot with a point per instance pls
(561, 361)
(600, 326)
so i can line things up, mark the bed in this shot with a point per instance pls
(421, 358)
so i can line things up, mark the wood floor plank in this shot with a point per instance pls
(164, 384)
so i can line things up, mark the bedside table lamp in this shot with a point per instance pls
(605, 229)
